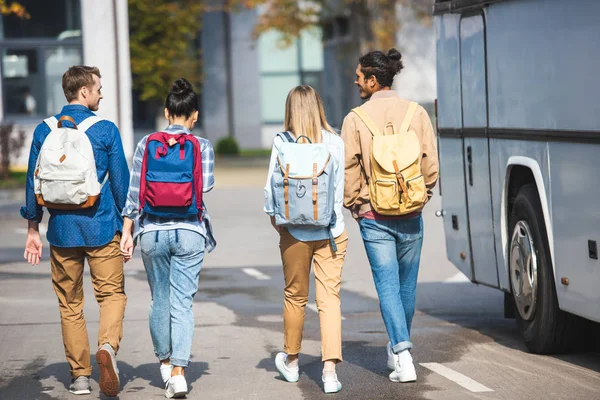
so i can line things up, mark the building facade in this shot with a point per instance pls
(246, 81)
(62, 33)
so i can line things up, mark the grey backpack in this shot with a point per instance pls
(303, 184)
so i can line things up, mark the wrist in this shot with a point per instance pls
(33, 227)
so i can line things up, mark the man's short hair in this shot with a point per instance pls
(76, 77)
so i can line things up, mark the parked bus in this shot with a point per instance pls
(519, 141)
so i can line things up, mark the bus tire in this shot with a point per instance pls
(545, 328)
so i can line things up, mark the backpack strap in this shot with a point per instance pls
(198, 172)
(88, 122)
(52, 123)
(412, 107)
(286, 137)
(367, 121)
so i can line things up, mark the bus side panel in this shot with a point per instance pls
(550, 81)
(452, 181)
(448, 71)
(454, 201)
(543, 59)
(530, 154)
(576, 216)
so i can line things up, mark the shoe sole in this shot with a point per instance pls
(86, 391)
(405, 380)
(336, 389)
(178, 395)
(109, 381)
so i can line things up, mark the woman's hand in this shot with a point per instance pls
(126, 246)
(127, 239)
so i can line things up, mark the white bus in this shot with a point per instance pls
(519, 141)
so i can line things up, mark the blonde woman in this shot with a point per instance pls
(300, 246)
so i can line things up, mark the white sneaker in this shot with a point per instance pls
(176, 387)
(405, 369)
(165, 372)
(289, 374)
(331, 383)
(392, 358)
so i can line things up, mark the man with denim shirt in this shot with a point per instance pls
(392, 243)
(91, 233)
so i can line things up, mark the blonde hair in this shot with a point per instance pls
(304, 113)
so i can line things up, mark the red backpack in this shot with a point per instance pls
(171, 177)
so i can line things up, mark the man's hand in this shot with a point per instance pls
(33, 244)
(126, 246)
(277, 228)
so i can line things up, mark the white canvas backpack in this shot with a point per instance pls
(65, 175)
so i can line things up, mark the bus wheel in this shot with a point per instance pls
(544, 327)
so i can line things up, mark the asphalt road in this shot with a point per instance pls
(464, 348)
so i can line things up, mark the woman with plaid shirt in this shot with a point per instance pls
(172, 249)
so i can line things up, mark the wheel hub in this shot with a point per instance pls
(523, 270)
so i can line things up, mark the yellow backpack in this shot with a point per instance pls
(396, 184)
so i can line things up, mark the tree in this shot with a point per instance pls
(375, 20)
(13, 8)
(163, 35)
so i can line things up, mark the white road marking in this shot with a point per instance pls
(457, 278)
(457, 378)
(23, 231)
(256, 274)
(313, 307)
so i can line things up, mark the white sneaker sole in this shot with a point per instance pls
(404, 378)
(85, 391)
(333, 387)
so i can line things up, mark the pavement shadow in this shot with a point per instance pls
(27, 384)
(362, 367)
(481, 309)
(150, 372)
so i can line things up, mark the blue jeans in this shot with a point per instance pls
(394, 251)
(172, 259)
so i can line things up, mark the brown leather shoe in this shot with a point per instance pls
(109, 374)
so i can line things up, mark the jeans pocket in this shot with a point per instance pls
(148, 242)
(371, 230)
(190, 242)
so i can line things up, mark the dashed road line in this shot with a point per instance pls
(256, 274)
(457, 378)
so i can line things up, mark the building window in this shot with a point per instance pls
(282, 68)
(56, 19)
(36, 53)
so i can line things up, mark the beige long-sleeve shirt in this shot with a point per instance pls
(383, 107)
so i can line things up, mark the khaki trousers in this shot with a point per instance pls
(297, 257)
(106, 269)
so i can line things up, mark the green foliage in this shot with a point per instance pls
(375, 20)
(15, 180)
(227, 146)
(162, 44)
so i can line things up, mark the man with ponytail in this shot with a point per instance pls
(389, 176)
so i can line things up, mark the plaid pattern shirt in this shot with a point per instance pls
(132, 206)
